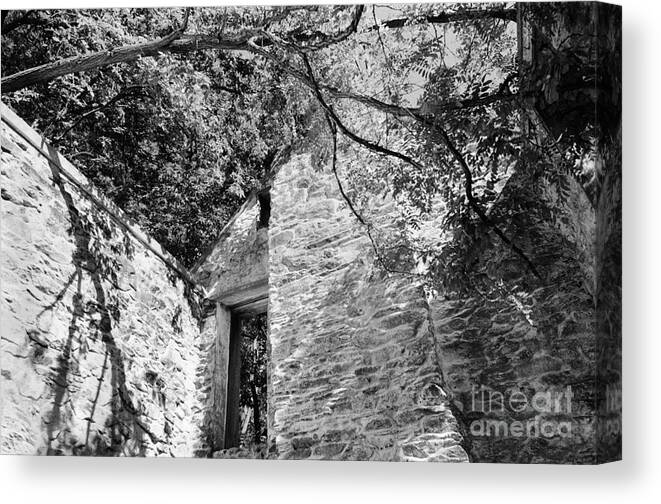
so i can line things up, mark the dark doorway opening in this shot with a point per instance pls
(264, 198)
(246, 417)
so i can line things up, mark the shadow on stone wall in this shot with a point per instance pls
(126, 430)
(100, 327)
(557, 337)
(519, 336)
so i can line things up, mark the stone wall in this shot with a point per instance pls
(234, 274)
(99, 340)
(364, 366)
(519, 360)
(211, 393)
(533, 366)
(236, 268)
(102, 352)
(354, 372)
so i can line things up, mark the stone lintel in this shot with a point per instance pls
(251, 299)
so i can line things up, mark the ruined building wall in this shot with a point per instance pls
(101, 352)
(234, 275)
(364, 366)
(534, 367)
(98, 349)
(519, 360)
(355, 375)
(238, 262)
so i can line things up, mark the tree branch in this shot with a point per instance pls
(467, 103)
(50, 71)
(177, 43)
(449, 17)
(362, 141)
(423, 113)
(475, 205)
(368, 226)
(468, 177)
(328, 40)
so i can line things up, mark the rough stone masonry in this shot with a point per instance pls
(353, 375)
(102, 352)
(98, 337)
(110, 347)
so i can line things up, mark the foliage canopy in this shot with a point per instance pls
(422, 99)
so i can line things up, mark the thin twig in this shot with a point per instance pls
(336, 120)
(476, 206)
(396, 110)
(368, 226)
(125, 93)
(468, 177)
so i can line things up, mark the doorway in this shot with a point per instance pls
(246, 413)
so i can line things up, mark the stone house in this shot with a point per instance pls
(111, 347)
